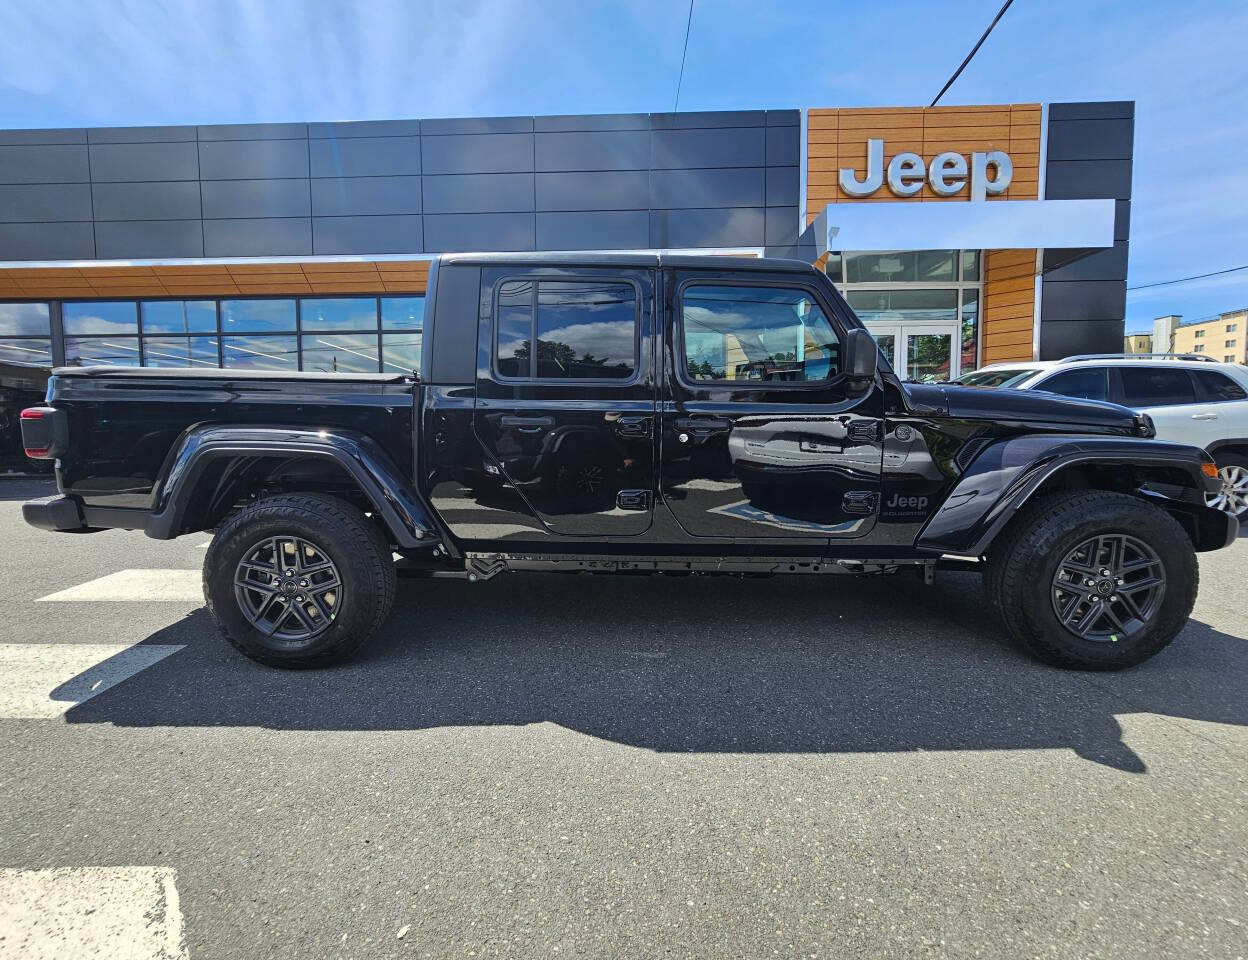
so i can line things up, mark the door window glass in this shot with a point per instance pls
(1156, 387)
(584, 330)
(928, 356)
(1084, 384)
(1218, 386)
(757, 333)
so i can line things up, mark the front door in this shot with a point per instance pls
(565, 395)
(924, 351)
(762, 435)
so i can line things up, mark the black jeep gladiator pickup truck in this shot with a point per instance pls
(607, 413)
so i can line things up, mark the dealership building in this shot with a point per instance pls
(961, 235)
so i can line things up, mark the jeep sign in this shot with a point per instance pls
(947, 173)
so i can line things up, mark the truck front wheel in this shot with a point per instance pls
(1092, 580)
(299, 581)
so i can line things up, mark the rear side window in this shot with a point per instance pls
(1091, 383)
(1219, 387)
(1156, 386)
(584, 330)
(774, 334)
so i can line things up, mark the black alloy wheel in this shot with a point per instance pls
(288, 588)
(1108, 588)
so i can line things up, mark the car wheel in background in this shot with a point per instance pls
(1233, 497)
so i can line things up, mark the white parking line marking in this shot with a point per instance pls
(123, 913)
(145, 585)
(43, 680)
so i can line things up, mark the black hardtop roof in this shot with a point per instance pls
(597, 258)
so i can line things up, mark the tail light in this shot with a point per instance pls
(44, 432)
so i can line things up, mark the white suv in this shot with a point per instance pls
(1192, 399)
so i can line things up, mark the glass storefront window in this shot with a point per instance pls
(32, 351)
(970, 265)
(402, 313)
(113, 317)
(338, 313)
(102, 351)
(970, 329)
(180, 352)
(257, 316)
(260, 353)
(179, 316)
(340, 354)
(902, 266)
(904, 306)
(400, 352)
(25, 320)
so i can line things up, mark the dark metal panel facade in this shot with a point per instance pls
(1083, 294)
(150, 239)
(289, 237)
(716, 179)
(367, 234)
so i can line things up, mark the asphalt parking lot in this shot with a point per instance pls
(570, 767)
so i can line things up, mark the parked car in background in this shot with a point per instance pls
(1190, 398)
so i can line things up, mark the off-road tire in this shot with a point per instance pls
(1025, 556)
(355, 544)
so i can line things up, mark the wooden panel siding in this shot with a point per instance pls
(215, 280)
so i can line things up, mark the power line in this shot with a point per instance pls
(974, 50)
(1199, 276)
(681, 78)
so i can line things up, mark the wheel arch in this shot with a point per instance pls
(1009, 474)
(212, 467)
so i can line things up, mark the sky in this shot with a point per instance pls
(140, 62)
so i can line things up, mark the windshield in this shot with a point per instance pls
(994, 378)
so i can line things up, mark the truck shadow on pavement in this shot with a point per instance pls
(820, 664)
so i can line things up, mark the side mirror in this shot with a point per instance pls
(861, 355)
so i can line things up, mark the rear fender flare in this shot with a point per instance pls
(400, 508)
(1006, 474)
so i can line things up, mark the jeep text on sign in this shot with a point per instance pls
(947, 173)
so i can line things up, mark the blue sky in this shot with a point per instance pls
(131, 62)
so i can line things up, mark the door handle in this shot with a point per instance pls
(527, 424)
(1204, 416)
(634, 428)
(703, 425)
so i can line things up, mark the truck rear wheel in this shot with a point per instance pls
(1092, 580)
(299, 581)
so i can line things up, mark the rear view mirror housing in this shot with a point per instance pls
(861, 355)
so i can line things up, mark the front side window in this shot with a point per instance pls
(1084, 384)
(757, 334)
(1156, 387)
(1220, 387)
(584, 330)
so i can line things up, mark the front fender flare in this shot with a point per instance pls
(1007, 473)
(408, 519)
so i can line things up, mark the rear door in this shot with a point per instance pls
(762, 437)
(1168, 395)
(570, 424)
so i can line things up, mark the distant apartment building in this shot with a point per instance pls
(1224, 337)
(1137, 343)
